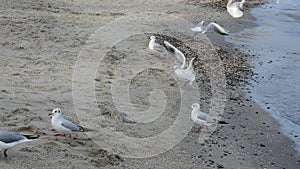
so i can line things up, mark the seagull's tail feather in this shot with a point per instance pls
(83, 129)
(31, 137)
(222, 122)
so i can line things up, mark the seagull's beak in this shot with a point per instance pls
(50, 114)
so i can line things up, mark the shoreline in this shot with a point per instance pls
(37, 70)
(265, 91)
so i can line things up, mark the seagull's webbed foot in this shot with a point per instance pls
(5, 154)
(173, 84)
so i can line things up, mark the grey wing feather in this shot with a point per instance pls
(205, 117)
(9, 137)
(191, 65)
(71, 126)
(159, 48)
(200, 24)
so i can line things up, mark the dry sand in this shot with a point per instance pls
(40, 44)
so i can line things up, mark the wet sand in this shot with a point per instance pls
(40, 45)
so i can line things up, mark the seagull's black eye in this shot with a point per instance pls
(55, 111)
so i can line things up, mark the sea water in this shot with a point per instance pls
(276, 45)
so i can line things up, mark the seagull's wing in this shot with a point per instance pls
(241, 4)
(198, 27)
(191, 65)
(178, 54)
(200, 24)
(220, 29)
(200, 121)
(9, 137)
(205, 117)
(73, 127)
(159, 48)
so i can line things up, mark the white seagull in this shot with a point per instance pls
(200, 117)
(64, 126)
(9, 140)
(203, 29)
(180, 71)
(234, 8)
(189, 73)
(155, 46)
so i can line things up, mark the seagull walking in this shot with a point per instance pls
(234, 8)
(154, 46)
(64, 126)
(203, 29)
(10, 139)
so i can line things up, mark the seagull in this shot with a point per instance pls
(9, 140)
(200, 28)
(234, 8)
(155, 46)
(189, 73)
(64, 126)
(180, 71)
(200, 117)
(177, 53)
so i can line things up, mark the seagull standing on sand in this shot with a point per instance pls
(155, 46)
(200, 117)
(62, 125)
(9, 140)
(234, 8)
(203, 29)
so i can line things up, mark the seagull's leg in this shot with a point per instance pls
(59, 134)
(191, 83)
(185, 82)
(198, 129)
(174, 83)
(71, 139)
(206, 130)
(4, 152)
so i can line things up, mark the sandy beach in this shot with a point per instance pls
(43, 42)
